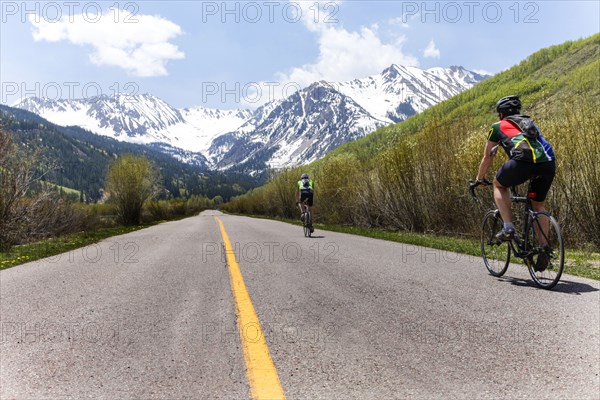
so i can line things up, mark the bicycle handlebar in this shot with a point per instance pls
(474, 184)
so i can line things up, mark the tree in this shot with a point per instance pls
(28, 210)
(217, 200)
(131, 181)
(7, 189)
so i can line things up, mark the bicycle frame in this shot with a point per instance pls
(520, 245)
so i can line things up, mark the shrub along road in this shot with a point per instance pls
(152, 314)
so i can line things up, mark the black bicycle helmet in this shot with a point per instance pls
(304, 176)
(508, 105)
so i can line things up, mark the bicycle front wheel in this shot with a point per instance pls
(495, 253)
(547, 258)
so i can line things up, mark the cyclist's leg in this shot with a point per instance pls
(541, 227)
(540, 185)
(302, 205)
(502, 199)
(512, 173)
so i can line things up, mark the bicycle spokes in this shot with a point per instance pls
(547, 249)
(496, 253)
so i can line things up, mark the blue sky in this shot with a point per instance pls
(241, 54)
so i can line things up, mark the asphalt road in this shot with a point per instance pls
(151, 314)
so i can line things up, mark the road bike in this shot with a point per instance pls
(539, 242)
(306, 219)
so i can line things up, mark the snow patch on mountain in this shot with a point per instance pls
(399, 91)
(299, 129)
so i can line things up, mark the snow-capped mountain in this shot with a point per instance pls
(296, 130)
(143, 119)
(310, 123)
(206, 124)
(399, 92)
(299, 129)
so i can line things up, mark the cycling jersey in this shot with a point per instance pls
(305, 185)
(518, 145)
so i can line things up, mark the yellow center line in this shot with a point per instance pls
(262, 375)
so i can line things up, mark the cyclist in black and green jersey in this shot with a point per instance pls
(530, 157)
(305, 190)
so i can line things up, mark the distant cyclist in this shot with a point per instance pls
(530, 157)
(305, 190)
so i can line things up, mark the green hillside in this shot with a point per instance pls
(412, 175)
(545, 80)
(78, 159)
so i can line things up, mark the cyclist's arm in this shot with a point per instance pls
(487, 160)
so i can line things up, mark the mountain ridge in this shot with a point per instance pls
(349, 110)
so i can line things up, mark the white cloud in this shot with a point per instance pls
(431, 51)
(399, 21)
(345, 55)
(137, 43)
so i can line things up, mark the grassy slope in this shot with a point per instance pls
(545, 80)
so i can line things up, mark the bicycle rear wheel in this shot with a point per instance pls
(307, 222)
(495, 253)
(547, 248)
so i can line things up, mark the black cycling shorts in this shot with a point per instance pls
(514, 173)
(307, 195)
